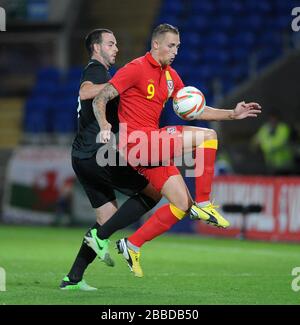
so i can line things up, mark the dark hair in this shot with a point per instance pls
(164, 28)
(95, 37)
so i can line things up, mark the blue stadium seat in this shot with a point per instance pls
(74, 74)
(237, 8)
(199, 23)
(49, 73)
(203, 7)
(251, 22)
(68, 89)
(224, 6)
(283, 22)
(194, 79)
(203, 73)
(238, 71)
(37, 10)
(186, 55)
(44, 87)
(64, 115)
(36, 115)
(223, 22)
(182, 68)
(217, 39)
(215, 56)
(172, 7)
(239, 54)
(53, 102)
(169, 19)
(64, 122)
(245, 40)
(191, 39)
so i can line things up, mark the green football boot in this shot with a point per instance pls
(99, 246)
(66, 284)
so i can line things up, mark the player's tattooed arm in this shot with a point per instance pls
(108, 93)
(99, 103)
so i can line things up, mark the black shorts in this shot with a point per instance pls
(99, 182)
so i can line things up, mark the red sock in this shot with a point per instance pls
(161, 221)
(203, 183)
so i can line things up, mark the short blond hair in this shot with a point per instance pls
(163, 29)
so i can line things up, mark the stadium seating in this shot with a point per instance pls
(223, 42)
(222, 39)
(52, 105)
(37, 113)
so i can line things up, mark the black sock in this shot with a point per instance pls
(129, 212)
(84, 257)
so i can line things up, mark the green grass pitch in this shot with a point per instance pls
(179, 270)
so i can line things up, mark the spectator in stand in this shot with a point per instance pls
(274, 140)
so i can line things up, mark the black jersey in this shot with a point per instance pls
(85, 145)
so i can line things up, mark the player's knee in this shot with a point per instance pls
(183, 204)
(210, 134)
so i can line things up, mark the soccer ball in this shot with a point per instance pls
(189, 103)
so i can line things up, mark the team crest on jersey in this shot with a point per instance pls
(170, 84)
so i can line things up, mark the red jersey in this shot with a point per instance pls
(144, 86)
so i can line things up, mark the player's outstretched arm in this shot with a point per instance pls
(99, 106)
(241, 111)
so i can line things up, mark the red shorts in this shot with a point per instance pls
(158, 176)
(150, 149)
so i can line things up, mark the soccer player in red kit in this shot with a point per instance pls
(144, 85)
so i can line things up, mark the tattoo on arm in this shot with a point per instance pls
(99, 103)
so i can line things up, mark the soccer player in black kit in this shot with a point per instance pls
(99, 182)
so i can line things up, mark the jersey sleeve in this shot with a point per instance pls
(126, 77)
(95, 74)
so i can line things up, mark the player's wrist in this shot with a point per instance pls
(104, 125)
(232, 114)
